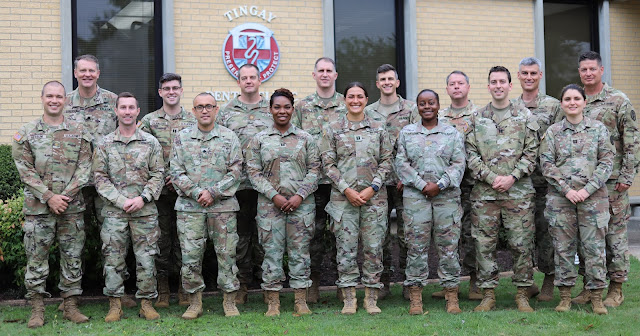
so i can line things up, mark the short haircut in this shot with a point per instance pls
(326, 59)
(248, 65)
(126, 95)
(528, 61)
(169, 76)
(282, 92)
(356, 84)
(52, 83)
(205, 93)
(384, 68)
(428, 90)
(590, 56)
(458, 72)
(573, 87)
(86, 57)
(499, 68)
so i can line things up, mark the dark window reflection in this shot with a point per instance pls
(124, 35)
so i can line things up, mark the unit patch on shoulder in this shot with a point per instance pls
(17, 137)
(139, 123)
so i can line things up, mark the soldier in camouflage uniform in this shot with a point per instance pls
(312, 114)
(395, 113)
(283, 164)
(576, 156)
(356, 156)
(129, 174)
(547, 111)
(53, 156)
(502, 148)
(206, 165)
(246, 115)
(614, 110)
(164, 124)
(459, 116)
(430, 162)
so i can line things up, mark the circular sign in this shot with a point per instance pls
(251, 43)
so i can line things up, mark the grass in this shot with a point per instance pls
(326, 320)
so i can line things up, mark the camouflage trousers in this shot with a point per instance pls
(544, 242)
(193, 230)
(585, 225)
(516, 216)
(394, 198)
(116, 234)
(40, 231)
(249, 253)
(467, 244)
(278, 231)
(423, 219)
(169, 259)
(323, 241)
(369, 223)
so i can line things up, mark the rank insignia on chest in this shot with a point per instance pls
(326, 118)
(428, 143)
(282, 144)
(175, 130)
(251, 117)
(358, 137)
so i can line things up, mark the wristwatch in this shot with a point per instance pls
(144, 199)
(375, 187)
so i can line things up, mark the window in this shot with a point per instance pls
(126, 37)
(368, 33)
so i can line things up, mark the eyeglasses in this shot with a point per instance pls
(209, 107)
(170, 88)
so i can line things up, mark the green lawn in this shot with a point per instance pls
(326, 320)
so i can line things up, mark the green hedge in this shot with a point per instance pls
(9, 179)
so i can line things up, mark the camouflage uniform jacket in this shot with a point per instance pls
(577, 156)
(286, 164)
(506, 148)
(461, 120)
(211, 161)
(127, 168)
(312, 114)
(52, 162)
(435, 155)
(547, 111)
(245, 123)
(406, 114)
(614, 110)
(98, 114)
(165, 127)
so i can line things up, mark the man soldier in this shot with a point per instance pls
(206, 165)
(53, 156)
(312, 114)
(246, 115)
(547, 111)
(458, 114)
(164, 124)
(614, 110)
(129, 174)
(395, 113)
(502, 150)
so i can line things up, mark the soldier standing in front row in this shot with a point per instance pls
(128, 172)
(53, 156)
(206, 165)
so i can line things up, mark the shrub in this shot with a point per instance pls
(10, 183)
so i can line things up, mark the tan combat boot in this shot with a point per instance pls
(415, 296)
(313, 295)
(371, 300)
(488, 301)
(71, 311)
(115, 310)
(522, 300)
(128, 301)
(350, 301)
(546, 293)
(565, 299)
(229, 304)
(614, 295)
(241, 295)
(195, 307)
(532, 290)
(274, 303)
(596, 302)
(451, 295)
(585, 296)
(147, 311)
(184, 299)
(37, 311)
(300, 304)
(163, 292)
(474, 291)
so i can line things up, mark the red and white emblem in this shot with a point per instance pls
(251, 43)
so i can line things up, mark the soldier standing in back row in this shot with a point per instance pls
(53, 156)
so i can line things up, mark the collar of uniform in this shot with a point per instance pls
(488, 110)
(366, 122)
(602, 95)
(137, 135)
(97, 99)
(261, 104)
(401, 105)
(534, 103)
(41, 126)
(196, 133)
(180, 115)
(452, 112)
(438, 129)
(334, 102)
(585, 123)
(273, 130)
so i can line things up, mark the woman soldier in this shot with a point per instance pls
(356, 156)
(283, 164)
(576, 156)
(430, 163)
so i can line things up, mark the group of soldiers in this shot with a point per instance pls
(166, 184)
